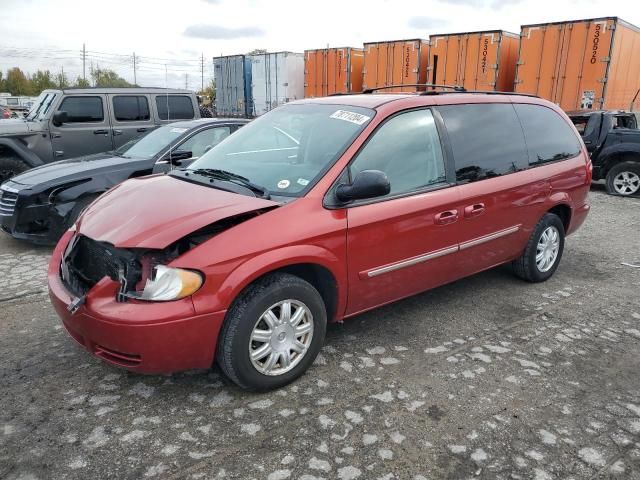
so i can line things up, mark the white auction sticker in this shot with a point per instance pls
(303, 181)
(283, 184)
(352, 117)
(178, 130)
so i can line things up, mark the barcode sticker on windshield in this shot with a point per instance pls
(352, 117)
(179, 130)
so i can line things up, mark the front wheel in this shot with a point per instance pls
(624, 179)
(272, 333)
(543, 252)
(10, 167)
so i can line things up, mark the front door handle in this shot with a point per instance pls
(474, 210)
(101, 132)
(445, 218)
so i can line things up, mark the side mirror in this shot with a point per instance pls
(178, 155)
(367, 184)
(59, 118)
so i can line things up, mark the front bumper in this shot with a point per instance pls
(144, 337)
(40, 224)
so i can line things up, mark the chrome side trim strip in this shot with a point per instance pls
(412, 261)
(441, 253)
(490, 237)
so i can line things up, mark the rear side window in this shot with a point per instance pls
(130, 108)
(486, 139)
(549, 137)
(407, 148)
(174, 107)
(83, 109)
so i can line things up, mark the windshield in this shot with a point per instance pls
(41, 106)
(151, 144)
(288, 149)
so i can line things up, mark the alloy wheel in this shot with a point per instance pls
(281, 337)
(547, 249)
(626, 183)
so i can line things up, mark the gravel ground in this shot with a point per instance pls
(488, 377)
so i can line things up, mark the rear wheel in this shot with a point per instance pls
(624, 179)
(272, 333)
(543, 252)
(10, 167)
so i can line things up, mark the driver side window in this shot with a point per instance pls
(407, 148)
(204, 141)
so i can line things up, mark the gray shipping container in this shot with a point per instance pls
(233, 86)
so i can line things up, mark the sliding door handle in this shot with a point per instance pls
(445, 218)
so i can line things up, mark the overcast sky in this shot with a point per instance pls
(45, 34)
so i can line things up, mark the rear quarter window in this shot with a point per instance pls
(174, 107)
(549, 137)
(486, 139)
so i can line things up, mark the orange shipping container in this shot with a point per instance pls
(399, 62)
(483, 61)
(332, 70)
(581, 64)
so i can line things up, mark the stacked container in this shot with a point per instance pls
(483, 61)
(277, 78)
(332, 70)
(233, 86)
(581, 64)
(398, 62)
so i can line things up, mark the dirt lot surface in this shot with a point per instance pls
(489, 377)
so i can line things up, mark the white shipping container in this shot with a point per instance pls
(276, 78)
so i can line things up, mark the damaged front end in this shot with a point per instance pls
(42, 217)
(142, 274)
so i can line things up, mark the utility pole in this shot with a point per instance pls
(61, 77)
(186, 81)
(84, 60)
(202, 71)
(135, 78)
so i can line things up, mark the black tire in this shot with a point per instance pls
(633, 171)
(10, 167)
(233, 343)
(526, 267)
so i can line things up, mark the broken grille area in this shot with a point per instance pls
(90, 261)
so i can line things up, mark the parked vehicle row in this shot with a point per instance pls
(41, 204)
(73, 122)
(315, 212)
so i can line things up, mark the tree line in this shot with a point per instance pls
(19, 83)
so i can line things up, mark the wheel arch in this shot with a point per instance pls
(617, 156)
(12, 147)
(564, 211)
(314, 264)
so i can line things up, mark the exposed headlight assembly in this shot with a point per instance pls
(167, 283)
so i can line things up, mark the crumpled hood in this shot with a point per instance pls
(77, 168)
(154, 212)
(18, 126)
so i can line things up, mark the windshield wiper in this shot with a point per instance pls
(226, 176)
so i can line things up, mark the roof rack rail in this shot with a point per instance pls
(486, 92)
(455, 88)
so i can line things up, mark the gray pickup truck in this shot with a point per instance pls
(80, 121)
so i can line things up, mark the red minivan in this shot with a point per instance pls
(315, 212)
